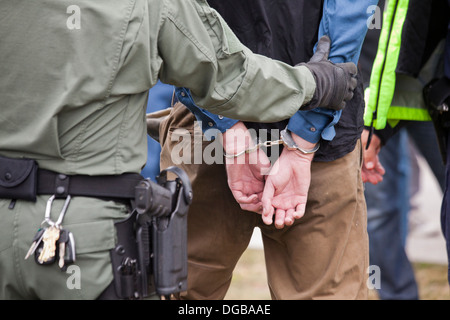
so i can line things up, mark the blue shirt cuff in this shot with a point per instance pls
(209, 122)
(312, 125)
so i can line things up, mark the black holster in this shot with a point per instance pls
(151, 253)
(437, 98)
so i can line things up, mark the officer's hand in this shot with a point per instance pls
(335, 83)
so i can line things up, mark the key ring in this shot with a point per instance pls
(48, 209)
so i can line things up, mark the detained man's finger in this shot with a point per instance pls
(300, 211)
(267, 215)
(267, 196)
(280, 215)
(289, 218)
(242, 198)
(253, 207)
(267, 211)
(266, 199)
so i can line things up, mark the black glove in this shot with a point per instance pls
(335, 83)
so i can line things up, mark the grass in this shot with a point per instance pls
(250, 281)
(432, 281)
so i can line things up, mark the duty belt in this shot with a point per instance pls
(107, 186)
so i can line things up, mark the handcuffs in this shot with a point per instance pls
(285, 139)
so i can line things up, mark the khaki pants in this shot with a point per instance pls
(324, 255)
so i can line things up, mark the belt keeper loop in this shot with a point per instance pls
(62, 185)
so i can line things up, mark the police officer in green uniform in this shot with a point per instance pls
(74, 84)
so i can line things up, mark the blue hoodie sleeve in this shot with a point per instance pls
(346, 23)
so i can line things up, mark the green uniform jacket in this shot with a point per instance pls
(409, 56)
(75, 77)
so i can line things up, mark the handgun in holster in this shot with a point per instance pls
(151, 254)
(437, 99)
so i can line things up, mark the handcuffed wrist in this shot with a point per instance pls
(238, 154)
(289, 143)
(286, 139)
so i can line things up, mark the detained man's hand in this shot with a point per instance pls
(286, 189)
(372, 171)
(246, 172)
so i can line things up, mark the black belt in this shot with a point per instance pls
(107, 186)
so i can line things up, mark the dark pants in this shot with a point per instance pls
(445, 219)
(387, 211)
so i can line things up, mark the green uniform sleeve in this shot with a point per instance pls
(76, 78)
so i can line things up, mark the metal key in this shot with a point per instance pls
(70, 255)
(66, 246)
(50, 236)
(62, 244)
(63, 239)
(36, 241)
